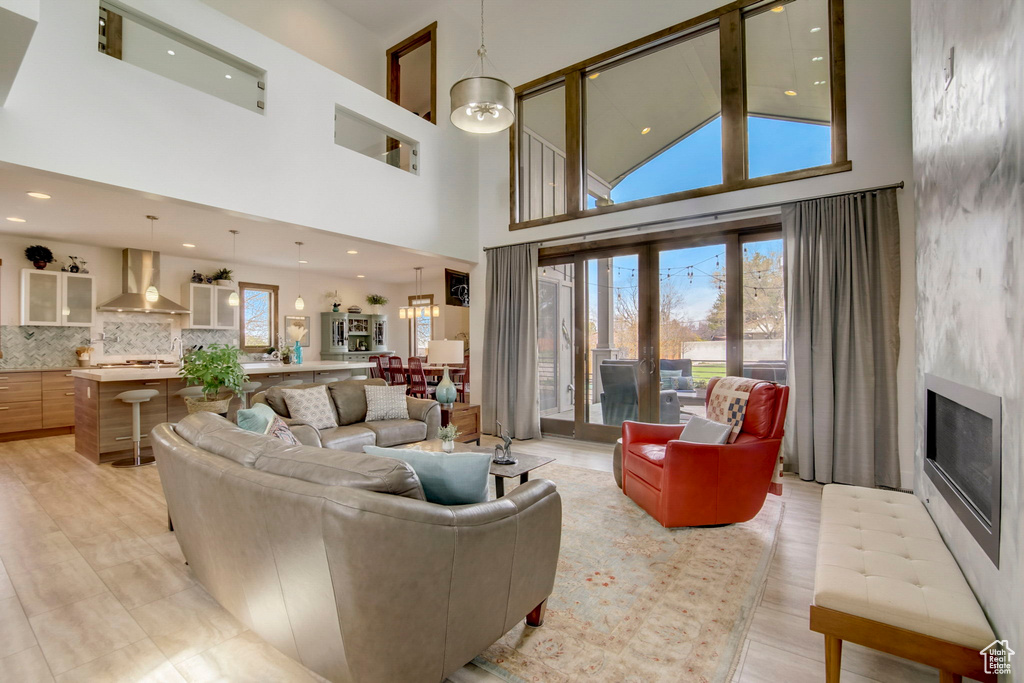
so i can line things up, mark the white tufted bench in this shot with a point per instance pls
(884, 579)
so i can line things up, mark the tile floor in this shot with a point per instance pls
(94, 588)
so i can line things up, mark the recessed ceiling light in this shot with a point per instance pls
(227, 75)
(645, 131)
(360, 276)
(303, 261)
(815, 29)
(38, 195)
(594, 75)
(791, 93)
(820, 82)
(170, 52)
(778, 8)
(190, 246)
(817, 59)
(352, 251)
(15, 219)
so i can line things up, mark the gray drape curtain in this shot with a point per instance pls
(842, 309)
(510, 343)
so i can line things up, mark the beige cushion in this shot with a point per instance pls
(312, 406)
(219, 436)
(386, 403)
(354, 470)
(274, 397)
(348, 438)
(880, 557)
(395, 432)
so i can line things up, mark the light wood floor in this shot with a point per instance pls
(94, 588)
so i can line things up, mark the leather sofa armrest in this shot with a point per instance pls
(307, 434)
(425, 410)
(649, 433)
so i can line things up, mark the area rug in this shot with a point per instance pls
(634, 601)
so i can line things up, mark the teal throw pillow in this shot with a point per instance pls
(256, 419)
(447, 478)
(669, 378)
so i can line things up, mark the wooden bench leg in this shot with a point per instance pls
(833, 658)
(947, 677)
(536, 617)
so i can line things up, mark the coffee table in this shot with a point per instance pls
(525, 463)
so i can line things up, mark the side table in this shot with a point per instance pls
(466, 417)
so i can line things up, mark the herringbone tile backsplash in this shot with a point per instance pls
(41, 347)
(135, 338)
(192, 338)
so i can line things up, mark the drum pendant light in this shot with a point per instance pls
(233, 297)
(152, 294)
(482, 104)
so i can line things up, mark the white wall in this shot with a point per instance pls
(878, 112)
(78, 112)
(105, 265)
(316, 30)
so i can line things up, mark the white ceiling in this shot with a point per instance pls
(107, 216)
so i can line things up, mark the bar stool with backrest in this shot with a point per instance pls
(396, 371)
(135, 399)
(418, 380)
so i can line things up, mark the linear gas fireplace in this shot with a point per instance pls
(963, 454)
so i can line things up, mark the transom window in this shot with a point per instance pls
(750, 94)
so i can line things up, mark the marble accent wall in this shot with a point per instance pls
(970, 258)
(137, 338)
(32, 346)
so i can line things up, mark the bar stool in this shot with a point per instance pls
(135, 399)
(247, 389)
(358, 377)
(290, 382)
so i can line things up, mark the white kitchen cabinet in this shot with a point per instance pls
(55, 298)
(210, 307)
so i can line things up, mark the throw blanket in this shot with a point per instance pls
(728, 405)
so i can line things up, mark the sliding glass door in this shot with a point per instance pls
(635, 332)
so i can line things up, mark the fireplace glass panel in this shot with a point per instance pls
(963, 451)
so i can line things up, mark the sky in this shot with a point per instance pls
(774, 147)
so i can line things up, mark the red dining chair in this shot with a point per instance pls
(458, 377)
(378, 372)
(396, 371)
(418, 380)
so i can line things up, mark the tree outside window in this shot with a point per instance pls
(258, 319)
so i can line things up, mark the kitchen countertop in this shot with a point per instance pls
(38, 369)
(133, 374)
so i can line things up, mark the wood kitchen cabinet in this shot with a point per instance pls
(36, 403)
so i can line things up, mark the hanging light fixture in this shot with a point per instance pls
(419, 311)
(482, 104)
(233, 297)
(299, 303)
(152, 294)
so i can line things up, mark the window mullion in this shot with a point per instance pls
(575, 186)
(734, 98)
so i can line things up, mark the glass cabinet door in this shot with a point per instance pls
(40, 302)
(202, 306)
(79, 299)
(225, 311)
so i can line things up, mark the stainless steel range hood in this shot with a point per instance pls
(139, 270)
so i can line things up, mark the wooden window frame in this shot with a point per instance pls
(395, 53)
(412, 320)
(274, 304)
(728, 19)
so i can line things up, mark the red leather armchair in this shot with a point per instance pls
(687, 484)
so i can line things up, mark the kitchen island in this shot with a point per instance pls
(103, 424)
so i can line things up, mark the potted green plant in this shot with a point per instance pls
(215, 368)
(222, 277)
(39, 256)
(286, 355)
(448, 434)
(377, 300)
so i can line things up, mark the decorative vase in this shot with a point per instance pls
(197, 404)
(297, 352)
(448, 446)
(702, 393)
(84, 362)
(223, 283)
(287, 360)
(335, 309)
(40, 265)
(446, 393)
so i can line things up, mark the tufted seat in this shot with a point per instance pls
(885, 580)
